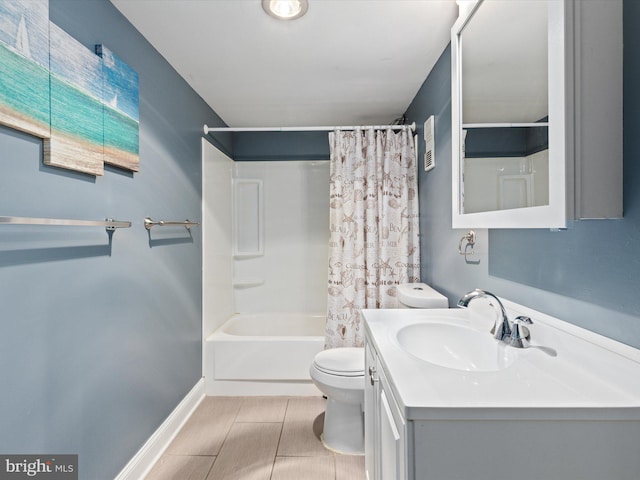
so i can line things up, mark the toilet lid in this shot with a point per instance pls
(345, 361)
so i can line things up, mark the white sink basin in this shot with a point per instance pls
(455, 346)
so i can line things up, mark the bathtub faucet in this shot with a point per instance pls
(502, 328)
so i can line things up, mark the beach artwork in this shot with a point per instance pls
(83, 103)
(77, 128)
(120, 111)
(24, 62)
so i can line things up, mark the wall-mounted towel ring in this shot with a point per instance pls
(470, 238)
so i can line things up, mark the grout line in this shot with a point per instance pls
(188, 455)
(226, 436)
(242, 400)
(211, 467)
(307, 456)
(273, 466)
(261, 421)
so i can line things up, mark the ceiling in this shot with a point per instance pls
(346, 62)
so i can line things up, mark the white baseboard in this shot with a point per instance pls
(142, 462)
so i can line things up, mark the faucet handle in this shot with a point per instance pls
(521, 319)
(519, 333)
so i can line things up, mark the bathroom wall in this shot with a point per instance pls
(101, 338)
(292, 273)
(279, 146)
(587, 275)
(440, 264)
(217, 266)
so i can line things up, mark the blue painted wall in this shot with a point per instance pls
(588, 275)
(100, 341)
(264, 146)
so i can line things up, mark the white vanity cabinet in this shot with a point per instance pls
(563, 409)
(385, 428)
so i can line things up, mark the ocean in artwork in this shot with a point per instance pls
(76, 106)
(121, 110)
(24, 56)
(29, 100)
(84, 104)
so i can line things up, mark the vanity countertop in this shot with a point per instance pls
(589, 378)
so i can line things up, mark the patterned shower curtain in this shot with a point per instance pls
(373, 244)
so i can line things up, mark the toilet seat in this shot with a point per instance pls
(342, 362)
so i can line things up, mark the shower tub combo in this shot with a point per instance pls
(264, 354)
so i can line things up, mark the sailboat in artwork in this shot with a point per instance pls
(25, 102)
(113, 102)
(22, 38)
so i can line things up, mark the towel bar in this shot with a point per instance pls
(149, 223)
(108, 223)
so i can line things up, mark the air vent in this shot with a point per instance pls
(429, 145)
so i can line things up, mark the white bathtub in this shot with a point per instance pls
(264, 354)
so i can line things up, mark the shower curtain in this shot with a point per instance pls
(373, 243)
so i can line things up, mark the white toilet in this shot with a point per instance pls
(339, 374)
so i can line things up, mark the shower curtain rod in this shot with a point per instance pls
(305, 129)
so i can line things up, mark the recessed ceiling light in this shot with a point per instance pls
(285, 9)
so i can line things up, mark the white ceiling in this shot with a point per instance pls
(346, 62)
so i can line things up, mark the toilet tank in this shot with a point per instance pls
(420, 295)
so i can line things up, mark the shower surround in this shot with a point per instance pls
(291, 273)
(279, 292)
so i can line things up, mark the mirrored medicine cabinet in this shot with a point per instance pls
(536, 112)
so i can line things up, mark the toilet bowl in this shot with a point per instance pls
(339, 374)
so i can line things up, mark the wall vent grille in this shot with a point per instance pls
(429, 145)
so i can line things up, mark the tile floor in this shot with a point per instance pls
(255, 438)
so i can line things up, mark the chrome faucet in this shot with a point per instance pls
(516, 334)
